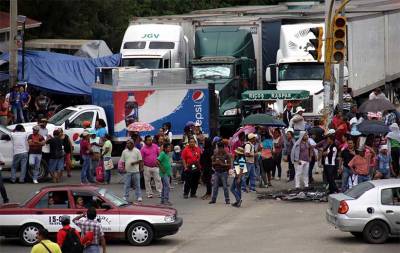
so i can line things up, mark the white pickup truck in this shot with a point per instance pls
(69, 119)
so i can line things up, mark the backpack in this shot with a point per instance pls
(71, 242)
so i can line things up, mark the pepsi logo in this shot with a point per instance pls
(198, 96)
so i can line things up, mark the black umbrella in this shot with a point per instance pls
(373, 127)
(376, 105)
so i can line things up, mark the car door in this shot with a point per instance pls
(6, 148)
(75, 127)
(107, 214)
(390, 200)
(50, 207)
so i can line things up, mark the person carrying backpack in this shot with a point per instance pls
(68, 238)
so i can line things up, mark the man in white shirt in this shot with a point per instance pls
(20, 149)
(297, 122)
(132, 159)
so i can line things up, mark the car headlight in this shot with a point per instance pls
(232, 112)
(169, 218)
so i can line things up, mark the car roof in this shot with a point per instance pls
(386, 183)
(70, 187)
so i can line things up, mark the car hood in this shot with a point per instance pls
(148, 210)
(9, 205)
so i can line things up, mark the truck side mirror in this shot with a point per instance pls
(66, 124)
(270, 74)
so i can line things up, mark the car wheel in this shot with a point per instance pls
(357, 234)
(28, 234)
(140, 234)
(376, 232)
(43, 171)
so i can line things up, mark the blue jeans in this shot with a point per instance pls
(216, 178)
(85, 172)
(34, 160)
(19, 160)
(235, 189)
(362, 178)
(165, 189)
(94, 248)
(128, 177)
(18, 114)
(56, 165)
(251, 172)
(346, 174)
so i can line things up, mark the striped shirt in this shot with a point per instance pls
(94, 226)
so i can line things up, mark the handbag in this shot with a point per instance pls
(100, 172)
(108, 165)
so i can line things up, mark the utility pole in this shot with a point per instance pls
(327, 54)
(13, 50)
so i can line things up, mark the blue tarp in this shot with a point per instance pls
(60, 72)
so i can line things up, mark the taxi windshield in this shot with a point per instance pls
(110, 196)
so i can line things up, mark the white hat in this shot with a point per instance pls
(85, 133)
(331, 131)
(251, 136)
(177, 149)
(384, 147)
(289, 129)
(300, 109)
(197, 124)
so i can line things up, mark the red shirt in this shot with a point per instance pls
(85, 147)
(191, 155)
(62, 234)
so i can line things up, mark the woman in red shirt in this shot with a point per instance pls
(191, 165)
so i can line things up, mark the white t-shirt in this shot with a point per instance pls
(249, 148)
(20, 142)
(129, 156)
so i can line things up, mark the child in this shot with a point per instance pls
(165, 172)
(384, 163)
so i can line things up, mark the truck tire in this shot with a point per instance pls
(140, 234)
(28, 232)
(376, 232)
(43, 171)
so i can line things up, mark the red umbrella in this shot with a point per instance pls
(140, 127)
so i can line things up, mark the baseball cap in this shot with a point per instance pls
(177, 149)
(85, 133)
(331, 131)
(384, 147)
(300, 109)
(251, 136)
(35, 128)
(197, 124)
(289, 129)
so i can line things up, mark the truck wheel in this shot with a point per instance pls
(376, 232)
(28, 234)
(43, 171)
(140, 234)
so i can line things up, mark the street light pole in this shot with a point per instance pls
(22, 19)
(13, 50)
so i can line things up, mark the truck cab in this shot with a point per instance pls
(225, 57)
(154, 46)
(296, 69)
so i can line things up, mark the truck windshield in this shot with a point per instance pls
(142, 63)
(218, 71)
(301, 71)
(59, 118)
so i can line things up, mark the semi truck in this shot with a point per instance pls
(225, 56)
(296, 68)
(155, 46)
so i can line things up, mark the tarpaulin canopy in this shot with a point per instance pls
(260, 95)
(60, 72)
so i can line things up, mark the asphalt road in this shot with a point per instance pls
(258, 226)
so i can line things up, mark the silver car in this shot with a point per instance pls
(370, 210)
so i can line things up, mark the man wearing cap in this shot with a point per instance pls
(62, 233)
(85, 151)
(287, 114)
(132, 158)
(95, 147)
(287, 150)
(249, 151)
(384, 163)
(36, 142)
(43, 131)
(239, 166)
(297, 122)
